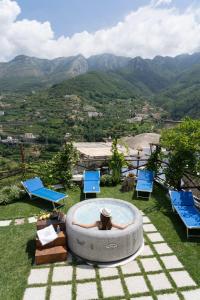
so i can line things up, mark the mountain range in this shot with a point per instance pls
(173, 83)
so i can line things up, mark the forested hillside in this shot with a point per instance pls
(170, 83)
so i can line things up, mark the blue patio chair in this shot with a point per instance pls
(146, 175)
(35, 188)
(183, 204)
(144, 183)
(91, 182)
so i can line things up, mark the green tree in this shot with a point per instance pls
(116, 162)
(183, 145)
(154, 161)
(60, 167)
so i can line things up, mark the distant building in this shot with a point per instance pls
(28, 136)
(142, 141)
(156, 116)
(143, 116)
(73, 97)
(94, 114)
(67, 137)
(4, 105)
(10, 140)
(97, 153)
(134, 120)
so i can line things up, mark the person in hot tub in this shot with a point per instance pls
(105, 222)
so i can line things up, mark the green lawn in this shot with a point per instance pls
(17, 246)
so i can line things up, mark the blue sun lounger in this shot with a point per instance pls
(183, 204)
(91, 183)
(145, 183)
(35, 188)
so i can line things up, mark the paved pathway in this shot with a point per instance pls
(20, 221)
(156, 274)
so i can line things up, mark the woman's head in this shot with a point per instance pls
(105, 218)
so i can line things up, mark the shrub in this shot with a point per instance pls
(106, 180)
(116, 162)
(60, 167)
(154, 161)
(9, 194)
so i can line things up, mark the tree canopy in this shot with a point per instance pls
(183, 146)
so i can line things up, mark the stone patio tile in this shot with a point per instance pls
(171, 262)
(61, 292)
(131, 268)
(112, 288)
(85, 272)
(32, 220)
(193, 294)
(151, 264)
(162, 248)
(147, 251)
(159, 281)
(19, 221)
(182, 278)
(146, 220)
(38, 276)
(62, 273)
(61, 263)
(173, 296)
(142, 298)
(35, 293)
(108, 272)
(155, 237)
(149, 228)
(136, 284)
(86, 291)
(5, 223)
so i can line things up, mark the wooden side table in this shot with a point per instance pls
(55, 251)
(55, 222)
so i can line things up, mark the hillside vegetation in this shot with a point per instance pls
(170, 83)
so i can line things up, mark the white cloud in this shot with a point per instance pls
(151, 30)
(161, 2)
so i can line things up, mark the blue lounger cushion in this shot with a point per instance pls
(33, 184)
(92, 175)
(91, 187)
(35, 187)
(145, 175)
(48, 195)
(189, 215)
(144, 186)
(91, 181)
(181, 198)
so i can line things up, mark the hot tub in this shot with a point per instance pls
(104, 245)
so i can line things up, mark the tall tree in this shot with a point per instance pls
(183, 145)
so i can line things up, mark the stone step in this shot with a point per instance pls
(51, 255)
(59, 241)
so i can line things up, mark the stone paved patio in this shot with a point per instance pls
(4, 223)
(156, 274)
(18, 221)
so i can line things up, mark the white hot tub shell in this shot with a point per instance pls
(104, 245)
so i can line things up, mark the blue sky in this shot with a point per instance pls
(61, 28)
(71, 16)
